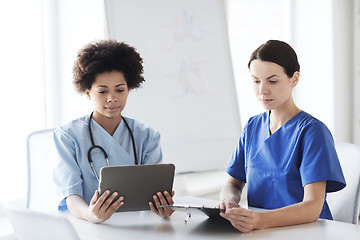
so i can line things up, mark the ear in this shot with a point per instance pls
(87, 93)
(295, 79)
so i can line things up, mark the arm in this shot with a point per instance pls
(231, 193)
(98, 211)
(305, 211)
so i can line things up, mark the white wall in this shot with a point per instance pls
(356, 71)
(251, 23)
(312, 40)
(323, 38)
(342, 69)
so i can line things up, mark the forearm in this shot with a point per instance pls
(303, 212)
(231, 192)
(306, 211)
(77, 206)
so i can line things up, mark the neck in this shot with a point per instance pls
(280, 116)
(109, 124)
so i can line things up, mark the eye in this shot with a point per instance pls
(256, 81)
(273, 82)
(102, 92)
(120, 90)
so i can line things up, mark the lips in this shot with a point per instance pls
(266, 100)
(112, 108)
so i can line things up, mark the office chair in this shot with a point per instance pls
(41, 154)
(345, 204)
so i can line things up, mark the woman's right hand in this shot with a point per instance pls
(101, 208)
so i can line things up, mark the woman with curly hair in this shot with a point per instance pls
(105, 72)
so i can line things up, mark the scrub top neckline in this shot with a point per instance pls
(108, 139)
(284, 125)
(118, 129)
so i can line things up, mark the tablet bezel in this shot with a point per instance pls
(137, 183)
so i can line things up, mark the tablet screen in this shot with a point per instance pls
(137, 183)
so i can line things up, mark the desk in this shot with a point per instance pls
(146, 225)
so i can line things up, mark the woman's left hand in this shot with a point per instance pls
(242, 219)
(162, 199)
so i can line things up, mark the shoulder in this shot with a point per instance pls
(257, 120)
(140, 129)
(74, 128)
(307, 123)
(310, 129)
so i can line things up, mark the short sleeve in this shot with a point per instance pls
(152, 150)
(67, 175)
(236, 164)
(319, 158)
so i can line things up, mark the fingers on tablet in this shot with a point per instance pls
(159, 200)
(118, 203)
(152, 207)
(169, 199)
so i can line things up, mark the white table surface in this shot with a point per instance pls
(146, 225)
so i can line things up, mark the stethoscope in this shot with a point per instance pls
(102, 149)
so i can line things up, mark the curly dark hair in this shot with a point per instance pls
(106, 56)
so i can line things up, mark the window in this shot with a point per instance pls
(21, 91)
(38, 44)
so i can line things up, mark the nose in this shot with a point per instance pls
(112, 98)
(263, 89)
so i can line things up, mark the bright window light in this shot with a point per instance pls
(21, 91)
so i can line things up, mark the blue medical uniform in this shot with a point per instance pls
(73, 174)
(277, 167)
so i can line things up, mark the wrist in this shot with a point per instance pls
(263, 220)
(230, 201)
(228, 204)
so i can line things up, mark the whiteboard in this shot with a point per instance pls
(189, 95)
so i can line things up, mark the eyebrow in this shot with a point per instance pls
(274, 75)
(104, 86)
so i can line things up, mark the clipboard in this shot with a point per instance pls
(137, 183)
(208, 211)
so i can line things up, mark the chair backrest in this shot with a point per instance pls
(29, 225)
(41, 154)
(345, 204)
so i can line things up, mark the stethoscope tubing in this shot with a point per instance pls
(94, 146)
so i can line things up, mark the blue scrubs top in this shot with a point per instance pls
(73, 174)
(277, 167)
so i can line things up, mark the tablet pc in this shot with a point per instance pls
(137, 183)
(209, 211)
